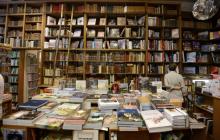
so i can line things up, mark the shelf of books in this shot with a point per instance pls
(33, 25)
(14, 76)
(32, 75)
(195, 44)
(115, 40)
(163, 38)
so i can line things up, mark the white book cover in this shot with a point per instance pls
(173, 114)
(77, 33)
(81, 84)
(80, 21)
(155, 121)
(103, 84)
(92, 21)
(51, 20)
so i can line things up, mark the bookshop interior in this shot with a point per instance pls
(110, 70)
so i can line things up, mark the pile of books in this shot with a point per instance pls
(76, 120)
(108, 104)
(194, 124)
(155, 121)
(22, 118)
(129, 118)
(94, 121)
(177, 117)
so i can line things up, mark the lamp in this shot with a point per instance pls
(204, 9)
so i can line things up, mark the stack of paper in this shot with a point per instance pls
(155, 121)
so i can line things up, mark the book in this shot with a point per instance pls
(76, 120)
(48, 122)
(77, 33)
(155, 121)
(64, 110)
(92, 21)
(94, 121)
(175, 33)
(78, 97)
(129, 117)
(103, 84)
(102, 21)
(121, 21)
(81, 84)
(80, 21)
(47, 107)
(33, 104)
(22, 118)
(108, 104)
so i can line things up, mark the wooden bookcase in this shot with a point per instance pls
(195, 49)
(117, 40)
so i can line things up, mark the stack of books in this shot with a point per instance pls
(32, 104)
(76, 120)
(64, 110)
(78, 97)
(108, 104)
(48, 122)
(155, 121)
(22, 118)
(194, 124)
(177, 117)
(129, 118)
(94, 121)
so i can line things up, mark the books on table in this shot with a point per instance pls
(108, 104)
(78, 97)
(155, 121)
(177, 117)
(47, 107)
(76, 120)
(33, 104)
(94, 121)
(129, 118)
(49, 122)
(64, 110)
(22, 118)
(81, 84)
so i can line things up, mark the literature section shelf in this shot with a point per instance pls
(195, 46)
(163, 24)
(115, 40)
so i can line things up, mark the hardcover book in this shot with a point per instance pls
(33, 104)
(129, 117)
(155, 121)
(92, 21)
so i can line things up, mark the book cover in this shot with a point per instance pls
(80, 84)
(92, 21)
(103, 84)
(102, 21)
(80, 21)
(33, 104)
(121, 21)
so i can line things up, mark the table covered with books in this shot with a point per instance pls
(133, 115)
